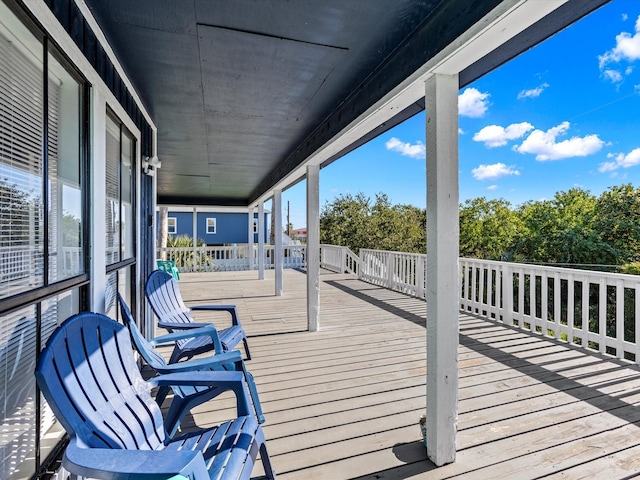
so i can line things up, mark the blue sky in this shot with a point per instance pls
(563, 114)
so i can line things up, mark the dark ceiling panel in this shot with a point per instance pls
(262, 124)
(235, 87)
(244, 91)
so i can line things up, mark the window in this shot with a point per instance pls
(211, 225)
(120, 229)
(172, 225)
(66, 244)
(43, 238)
(119, 214)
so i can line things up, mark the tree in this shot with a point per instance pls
(562, 230)
(356, 222)
(617, 219)
(71, 230)
(17, 209)
(488, 229)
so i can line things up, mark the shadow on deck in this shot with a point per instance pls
(344, 402)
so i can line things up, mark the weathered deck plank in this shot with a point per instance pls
(344, 402)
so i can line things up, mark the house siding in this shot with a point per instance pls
(230, 227)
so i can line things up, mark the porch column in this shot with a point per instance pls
(195, 238)
(98, 194)
(261, 241)
(313, 247)
(250, 237)
(443, 287)
(277, 240)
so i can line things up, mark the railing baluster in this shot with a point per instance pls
(602, 316)
(620, 319)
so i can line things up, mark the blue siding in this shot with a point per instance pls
(230, 227)
(184, 225)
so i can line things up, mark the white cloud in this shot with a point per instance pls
(496, 136)
(636, 89)
(620, 160)
(416, 150)
(545, 147)
(533, 93)
(627, 49)
(460, 131)
(493, 172)
(613, 75)
(625, 17)
(492, 187)
(473, 103)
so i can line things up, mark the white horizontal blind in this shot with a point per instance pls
(21, 175)
(112, 212)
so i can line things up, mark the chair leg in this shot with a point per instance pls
(246, 348)
(266, 462)
(161, 395)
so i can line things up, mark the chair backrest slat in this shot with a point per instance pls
(88, 374)
(163, 294)
(148, 352)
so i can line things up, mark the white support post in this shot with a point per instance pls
(313, 247)
(98, 245)
(277, 247)
(261, 241)
(250, 237)
(442, 267)
(195, 238)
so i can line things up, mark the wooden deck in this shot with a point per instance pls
(344, 403)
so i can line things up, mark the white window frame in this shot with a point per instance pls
(172, 225)
(211, 231)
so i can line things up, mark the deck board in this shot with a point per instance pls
(344, 402)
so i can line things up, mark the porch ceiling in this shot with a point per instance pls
(244, 92)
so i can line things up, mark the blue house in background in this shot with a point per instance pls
(215, 225)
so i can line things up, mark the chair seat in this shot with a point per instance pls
(232, 445)
(229, 337)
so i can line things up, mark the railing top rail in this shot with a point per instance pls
(390, 251)
(547, 268)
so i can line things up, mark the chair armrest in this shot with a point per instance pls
(192, 329)
(220, 308)
(189, 332)
(217, 361)
(233, 381)
(115, 464)
(182, 325)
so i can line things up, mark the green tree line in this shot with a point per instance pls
(574, 227)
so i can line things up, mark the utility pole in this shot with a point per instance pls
(288, 222)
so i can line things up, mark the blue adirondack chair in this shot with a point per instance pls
(89, 377)
(185, 398)
(163, 294)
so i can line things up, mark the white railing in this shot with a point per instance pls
(596, 310)
(17, 262)
(339, 259)
(402, 272)
(230, 258)
(72, 261)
